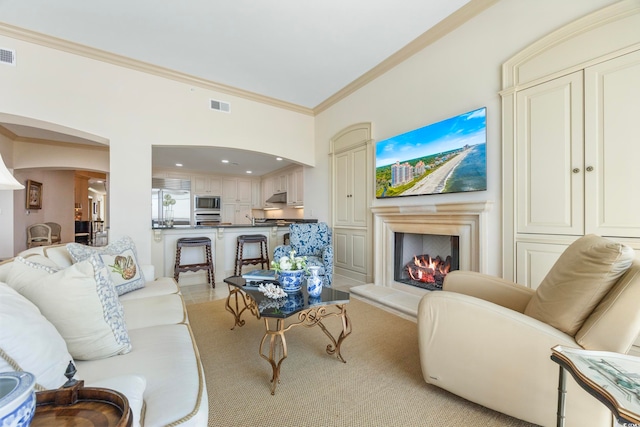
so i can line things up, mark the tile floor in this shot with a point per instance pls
(194, 294)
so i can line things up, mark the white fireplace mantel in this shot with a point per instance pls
(466, 220)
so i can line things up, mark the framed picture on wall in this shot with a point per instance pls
(34, 194)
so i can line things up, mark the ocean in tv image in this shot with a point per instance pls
(444, 157)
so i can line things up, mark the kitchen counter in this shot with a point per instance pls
(223, 244)
(279, 223)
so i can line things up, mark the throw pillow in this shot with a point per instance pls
(120, 256)
(585, 272)
(80, 301)
(29, 342)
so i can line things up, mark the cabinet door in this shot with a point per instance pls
(230, 190)
(342, 189)
(612, 123)
(267, 191)
(358, 195)
(351, 249)
(549, 157)
(534, 260)
(228, 212)
(242, 210)
(244, 190)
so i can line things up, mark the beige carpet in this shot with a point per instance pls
(380, 385)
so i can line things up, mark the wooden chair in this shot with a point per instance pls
(56, 231)
(38, 235)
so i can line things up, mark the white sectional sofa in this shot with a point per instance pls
(53, 310)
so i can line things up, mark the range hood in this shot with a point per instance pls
(278, 198)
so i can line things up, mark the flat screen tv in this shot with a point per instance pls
(443, 157)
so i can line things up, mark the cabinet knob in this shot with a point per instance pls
(589, 168)
(576, 170)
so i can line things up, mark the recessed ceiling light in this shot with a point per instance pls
(179, 165)
(249, 172)
(279, 158)
(225, 161)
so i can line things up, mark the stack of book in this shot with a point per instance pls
(259, 276)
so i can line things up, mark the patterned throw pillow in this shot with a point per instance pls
(80, 301)
(122, 259)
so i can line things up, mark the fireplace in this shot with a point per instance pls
(466, 222)
(424, 260)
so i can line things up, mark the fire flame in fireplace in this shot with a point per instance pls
(429, 270)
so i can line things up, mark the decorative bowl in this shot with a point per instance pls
(291, 280)
(17, 398)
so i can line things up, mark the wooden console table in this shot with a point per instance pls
(612, 378)
(80, 406)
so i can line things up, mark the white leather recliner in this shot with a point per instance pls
(489, 340)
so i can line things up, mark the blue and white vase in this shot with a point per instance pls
(314, 282)
(17, 398)
(291, 280)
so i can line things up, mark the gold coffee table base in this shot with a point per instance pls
(308, 318)
(274, 339)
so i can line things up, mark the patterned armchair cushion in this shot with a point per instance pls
(309, 239)
(314, 242)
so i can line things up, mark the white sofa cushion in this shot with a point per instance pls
(120, 256)
(160, 286)
(29, 342)
(167, 357)
(80, 301)
(132, 386)
(153, 311)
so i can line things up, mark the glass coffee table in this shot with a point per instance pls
(301, 310)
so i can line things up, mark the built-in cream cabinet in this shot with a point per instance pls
(352, 190)
(206, 185)
(295, 187)
(237, 199)
(570, 161)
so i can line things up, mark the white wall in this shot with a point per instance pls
(133, 111)
(458, 73)
(6, 203)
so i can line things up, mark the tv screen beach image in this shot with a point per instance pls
(444, 157)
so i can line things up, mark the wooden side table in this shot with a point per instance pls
(612, 378)
(80, 406)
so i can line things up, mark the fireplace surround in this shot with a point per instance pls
(468, 221)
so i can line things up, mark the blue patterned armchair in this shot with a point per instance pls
(314, 242)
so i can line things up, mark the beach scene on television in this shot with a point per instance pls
(444, 157)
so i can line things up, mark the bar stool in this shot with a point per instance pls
(207, 265)
(264, 255)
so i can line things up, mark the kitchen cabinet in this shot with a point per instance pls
(267, 191)
(236, 190)
(237, 199)
(206, 185)
(569, 161)
(276, 183)
(236, 213)
(295, 187)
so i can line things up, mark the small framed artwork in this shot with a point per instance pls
(34, 195)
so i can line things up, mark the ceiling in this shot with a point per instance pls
(299, 52)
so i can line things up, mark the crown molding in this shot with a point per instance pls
(435, 33)
(444, 27)
(122, 61)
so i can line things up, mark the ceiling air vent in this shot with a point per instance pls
(225, 107)
(7, 56)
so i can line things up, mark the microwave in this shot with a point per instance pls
(206, 203)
